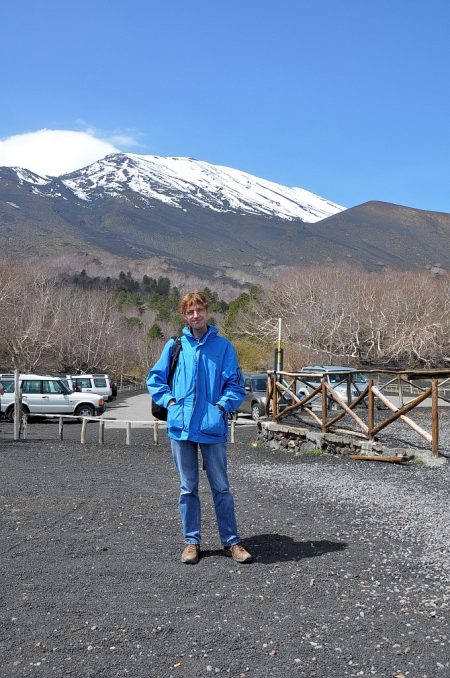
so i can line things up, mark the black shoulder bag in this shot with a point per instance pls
(161, 412)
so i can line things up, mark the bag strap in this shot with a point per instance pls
(174, 359)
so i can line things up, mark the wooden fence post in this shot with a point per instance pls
(83, 431)
(370, 409)
(435, 417)
(400, 390)
(24, 426)
(17, 406)
(324, 405)
(61, 428)
(101, 431)
(128, 434)
(232, 430)
(155, 431)
(275, 396)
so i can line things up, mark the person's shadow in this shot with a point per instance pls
(278, 548)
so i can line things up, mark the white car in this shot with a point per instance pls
(90, 383)
(337, 378)
(49, 395)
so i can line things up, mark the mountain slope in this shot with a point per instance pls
(189, 214)
(185, 182)
(382, 234)
(178, 215)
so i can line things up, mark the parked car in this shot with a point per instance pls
(337, 378)
(49, 395)
(255, 398)
(254, 403)
(90, 383)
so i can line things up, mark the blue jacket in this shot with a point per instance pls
(207, 373)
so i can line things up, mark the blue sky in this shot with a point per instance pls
(349, 99)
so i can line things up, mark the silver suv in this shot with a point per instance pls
(336, 376)
(90, 383)
(49, 395)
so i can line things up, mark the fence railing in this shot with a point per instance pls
(135, 386)
(154, 424)
(283, 399)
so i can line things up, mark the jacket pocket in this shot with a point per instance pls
(214, 421)
(175, 418)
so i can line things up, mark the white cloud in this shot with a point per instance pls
(127, 136)
(53, 152)
(123, 140)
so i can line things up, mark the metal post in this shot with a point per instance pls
(128, 434)
(61, 428)
(279, 363)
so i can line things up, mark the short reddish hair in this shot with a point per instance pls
(198, 297)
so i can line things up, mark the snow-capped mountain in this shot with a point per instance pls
(185, 182)
(187, 218)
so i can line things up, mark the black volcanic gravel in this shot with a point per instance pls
(351, 576)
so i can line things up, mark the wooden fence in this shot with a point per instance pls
(283, 400)
(155, 425)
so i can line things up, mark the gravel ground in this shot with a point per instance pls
(351, 576)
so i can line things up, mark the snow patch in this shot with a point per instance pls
(175, 181)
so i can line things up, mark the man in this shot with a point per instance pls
(206, 386)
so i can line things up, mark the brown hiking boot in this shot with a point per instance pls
(238, 553)
(191, 554)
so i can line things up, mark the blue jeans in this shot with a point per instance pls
(215, 460)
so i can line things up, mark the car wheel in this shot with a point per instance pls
(85, 411)
(257, 411)
(10, 413)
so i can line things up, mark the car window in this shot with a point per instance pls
(259, 384)
(100, 382)
(336, 378)
(54, 386)
(65, 388)
(314, 381)
(358, 378)
(31, 386)
(82, 383)
(8, 386)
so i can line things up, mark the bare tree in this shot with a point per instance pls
(339, 314)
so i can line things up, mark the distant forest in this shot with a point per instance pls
(155, 288)
(330, 315)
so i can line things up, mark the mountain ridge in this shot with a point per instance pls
(187, 218)
(176, 181)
